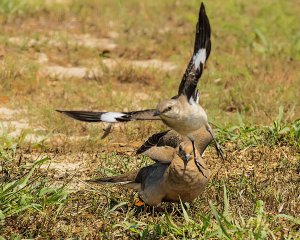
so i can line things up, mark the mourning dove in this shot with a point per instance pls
(171, 138)
(172, 178)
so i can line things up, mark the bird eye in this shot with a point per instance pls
(180, 149)
(167, 109)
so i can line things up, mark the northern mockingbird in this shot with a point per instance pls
(182, 112)
(172, 178)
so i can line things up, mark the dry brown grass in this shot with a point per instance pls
(252, 71)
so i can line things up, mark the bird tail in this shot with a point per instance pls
(116, 180)
(126, 180)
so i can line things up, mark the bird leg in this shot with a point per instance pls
(217, 145)
(159, 208)
(198, 164)
(107, 131)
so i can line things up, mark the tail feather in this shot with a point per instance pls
(126, 180)
(109, 180)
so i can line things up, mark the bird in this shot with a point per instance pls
(186, 89)
(174, 176)
(172, 139)
(182, 112)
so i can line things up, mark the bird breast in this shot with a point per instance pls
(190, 119)
(184, 181)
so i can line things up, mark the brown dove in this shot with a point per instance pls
(174, 176)
(171, 138)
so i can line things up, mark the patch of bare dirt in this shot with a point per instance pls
(58, 1)
(152, 63)
(13, 123)
(56, 40)
(9, 123)
(59, 72)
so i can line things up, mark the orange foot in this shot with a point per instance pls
(138, 202)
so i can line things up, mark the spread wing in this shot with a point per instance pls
(111, 117)
(164, 154)
(201, 53)
(151, 141)
(172, 139)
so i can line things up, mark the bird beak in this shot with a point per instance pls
(187, 157)
(157, 113)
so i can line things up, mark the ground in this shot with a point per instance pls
(128, 55)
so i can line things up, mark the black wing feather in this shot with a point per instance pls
(151, 141)
(88, 116)
(193, 73)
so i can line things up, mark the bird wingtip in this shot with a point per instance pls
(202, 7)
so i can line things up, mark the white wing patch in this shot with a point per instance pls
(197, 98)
(200, 56)
(192, 101)
(111, 116)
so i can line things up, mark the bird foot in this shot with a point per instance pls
(138, 202)
(220, 151)
(200, 166)
(137, 205)
(159, 209)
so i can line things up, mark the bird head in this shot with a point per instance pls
(185, 150)
(167, 109)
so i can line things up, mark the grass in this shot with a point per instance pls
(279, 133)
(24, 189)
(249, 90)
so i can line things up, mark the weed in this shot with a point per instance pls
(253, 71)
